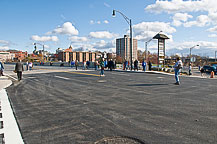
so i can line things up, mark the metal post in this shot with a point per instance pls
(215, 56)
(146, 50)
(131, 46)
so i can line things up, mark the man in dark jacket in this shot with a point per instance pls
(136, 65)
(19, 70)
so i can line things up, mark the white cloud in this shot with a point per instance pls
(44, 38)
(67, 28)
(76, 39)
(146, 30)
(178, 18)
(104, 45)
(174, 6)
(98, 22)
(102, 34)
(91, 22)
(46, 46)
(212, 35)
(205, 48)
(106, 21)
(4, 47)
(107, 5)
(4, 42)
(62, 16)
(213, 17)
(202, 20)
(213, 29)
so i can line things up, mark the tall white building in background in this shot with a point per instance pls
(123, 48)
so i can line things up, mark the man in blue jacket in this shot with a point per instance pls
(144, 65)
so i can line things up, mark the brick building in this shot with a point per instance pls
(123, 48)
(70, 55)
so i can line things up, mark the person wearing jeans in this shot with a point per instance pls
(177, 68)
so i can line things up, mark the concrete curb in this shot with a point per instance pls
(10, 128)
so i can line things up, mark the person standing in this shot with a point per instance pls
(177, 67)
(27, 65)
(110, 64)
(190, 73)
(30, 66)
(144, 65)
(202, 71)
(1, 69)
(102, 65)
(76, 64)
(84, 65)
(19, 70)
(96, 64)
(149, 65)
(136, 65)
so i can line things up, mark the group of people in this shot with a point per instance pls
(101, 63)
(29, 65)
(126, 65)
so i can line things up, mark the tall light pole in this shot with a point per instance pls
(131, 35)
(190, 58)
(215, 55)
(146, 46)
(190, 52)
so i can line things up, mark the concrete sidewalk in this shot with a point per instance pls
(9, 130)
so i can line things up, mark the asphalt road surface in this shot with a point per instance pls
(81, 108)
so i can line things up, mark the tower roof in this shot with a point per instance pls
(160, 36)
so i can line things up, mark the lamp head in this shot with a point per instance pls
(197, 45)
(113, 14)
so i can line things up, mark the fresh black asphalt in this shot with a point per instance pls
(83, 109)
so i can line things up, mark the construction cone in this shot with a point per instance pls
(212, 74)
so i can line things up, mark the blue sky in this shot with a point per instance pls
(89, 25)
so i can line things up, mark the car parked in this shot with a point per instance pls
(206, 68)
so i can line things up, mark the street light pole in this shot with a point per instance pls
(215, 55)
(131, 47)
(190, 58)
(131, 36)
(190, 52)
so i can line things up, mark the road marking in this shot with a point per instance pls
(101, 81)
(12, 77)
(121, 74)
(83, 73)
(62, 77)
(160, 77)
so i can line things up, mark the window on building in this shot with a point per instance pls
(90, 57)
(77, 56)
(84, 56)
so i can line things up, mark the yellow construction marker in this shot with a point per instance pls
(83, 73)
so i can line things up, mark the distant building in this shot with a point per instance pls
(18, 55)
(59, 50)
(70, 55)
(123, 48)
(4, 56)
